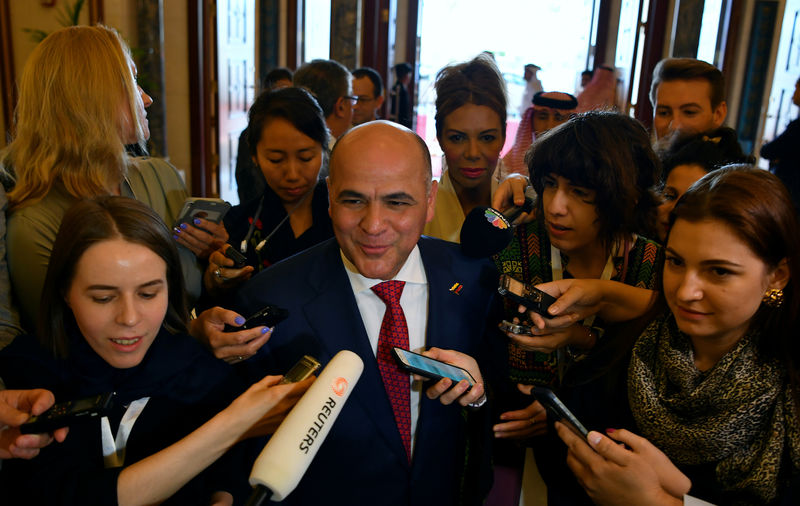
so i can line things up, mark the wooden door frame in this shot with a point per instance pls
(655, 37)
(295, 38)
(201, 16)
(412, 50)
(375, 43)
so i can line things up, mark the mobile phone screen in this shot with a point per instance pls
(516, 287)
(431, 368)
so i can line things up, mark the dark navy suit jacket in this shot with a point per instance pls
(362, 461)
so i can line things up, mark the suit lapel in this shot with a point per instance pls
(446, 310)
(443, 304)
(336, 321)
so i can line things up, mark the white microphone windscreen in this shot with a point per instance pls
(291, 449)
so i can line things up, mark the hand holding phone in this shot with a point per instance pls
(267, 316)
(516, 328)
(416, 363)
(529, 296)
(208, 209)
(239, 260)
(65, 413)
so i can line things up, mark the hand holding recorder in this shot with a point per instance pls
(226, 269)
(522, 423)
(16, 407)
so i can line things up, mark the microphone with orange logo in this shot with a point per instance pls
(284, 460)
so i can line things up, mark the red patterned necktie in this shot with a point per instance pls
(394, 332)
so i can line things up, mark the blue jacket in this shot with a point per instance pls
(362, 461)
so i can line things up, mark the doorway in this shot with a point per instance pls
(236, 50)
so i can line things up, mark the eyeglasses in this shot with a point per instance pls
(356, 100)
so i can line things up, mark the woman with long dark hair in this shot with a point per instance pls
(114, 321)
(288, 141)
(713, 382)
(594, 176)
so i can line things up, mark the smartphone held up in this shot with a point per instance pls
(427, 367)
(529, 296)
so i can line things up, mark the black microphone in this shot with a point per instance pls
(284, 460)
(487, 231)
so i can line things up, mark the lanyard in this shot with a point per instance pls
(114, 448)
(558, 273)
(243, 246)
(260, 246)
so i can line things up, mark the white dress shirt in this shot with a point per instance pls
(414, 302)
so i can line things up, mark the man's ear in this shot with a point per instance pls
(379, 100)
(431, 201)
(720, 113)
(339, 107)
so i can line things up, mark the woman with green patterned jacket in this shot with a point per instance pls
(594, 176)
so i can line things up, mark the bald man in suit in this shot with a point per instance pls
(381, 196)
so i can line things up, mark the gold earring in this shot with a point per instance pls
(773, 297)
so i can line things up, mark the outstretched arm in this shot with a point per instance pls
(578, 298)
(257, 411)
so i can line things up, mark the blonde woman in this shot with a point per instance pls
(79, 106)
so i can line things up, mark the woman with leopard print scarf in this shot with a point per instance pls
(712, 383)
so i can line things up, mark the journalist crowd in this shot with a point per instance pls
(606, 314)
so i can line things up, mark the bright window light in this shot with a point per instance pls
(707, 46)
(318, 30)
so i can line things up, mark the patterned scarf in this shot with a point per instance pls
(739, 414)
